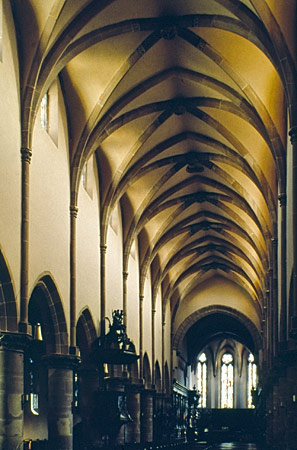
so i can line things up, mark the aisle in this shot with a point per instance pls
(234, 446)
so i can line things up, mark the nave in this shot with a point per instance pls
(148, 224)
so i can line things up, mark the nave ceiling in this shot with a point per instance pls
(182, 103)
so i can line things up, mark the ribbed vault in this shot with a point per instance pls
(182, 103)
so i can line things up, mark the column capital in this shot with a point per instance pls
(15, 341)
(149, 391)
(136, 387)
(66, 362)
(73, 211)
(282, 199)
(26, 154)
(293, 134)
(89, 368)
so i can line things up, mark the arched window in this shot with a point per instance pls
(227, 381)
(202, 380)
(49, 112)
(44, 112)
(252, 379)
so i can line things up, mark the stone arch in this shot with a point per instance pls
(199, 314)
(166, 379)
(147, 371)
(85, 333)
(8, 312)
(45, 307)
(158, 379)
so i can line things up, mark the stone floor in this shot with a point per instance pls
(234, 446)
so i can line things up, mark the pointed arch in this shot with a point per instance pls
(8, 312)
(158, 379)
(85, 333)
(45, 307)
(166, 379)
(147, 371)
(197, 315)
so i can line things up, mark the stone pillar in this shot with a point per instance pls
(158, 413)
(103, 249)
(293, 136)
(283, 258)
(274, 322)
(163, 352)
(270, 315)
(133, 406)
(89, 380)
(141, 298)
(24, 297)
(60, 400)
(12, 346)
(291, 419)
(153, 346)
(125, 291)
(73, 221)
(116, 396)
(147, 416)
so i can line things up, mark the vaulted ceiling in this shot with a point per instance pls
(182, 102)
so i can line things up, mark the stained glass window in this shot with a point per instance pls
(227, 381)
(202, 380)
(252, 378)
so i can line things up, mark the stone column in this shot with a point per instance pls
(293, 136)
(12, 346)
(274, 322)
(133, 406)
(163, 352)
(73, 221)
(291, 418)
(60, 400)
(89, 383)
(24, 297)
(125, 290)
(147, 416)
(153, 345)
(141, 299)
(283, 258)
(116, 396)
(270, 316)
(103, 249)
